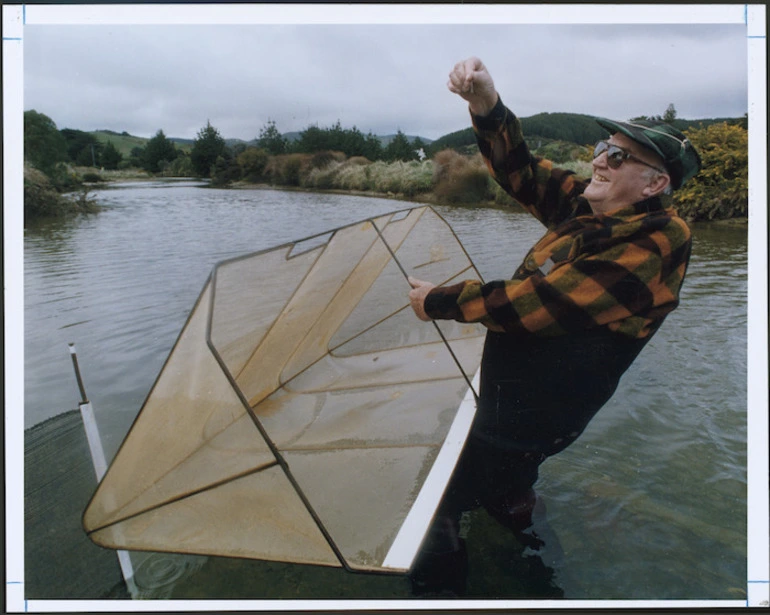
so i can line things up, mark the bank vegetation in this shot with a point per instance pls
(61, 167)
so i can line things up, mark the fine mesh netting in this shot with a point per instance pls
(302, 409)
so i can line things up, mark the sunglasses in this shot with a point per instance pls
(616, 156)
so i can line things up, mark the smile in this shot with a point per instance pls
(600, 178)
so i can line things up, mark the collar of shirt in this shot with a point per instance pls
(647, 206)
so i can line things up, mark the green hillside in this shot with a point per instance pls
(571, 127)
(125, 142)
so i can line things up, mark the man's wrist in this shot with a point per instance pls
(483, 109)
(492, 121)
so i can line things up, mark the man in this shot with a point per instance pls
(587, 298)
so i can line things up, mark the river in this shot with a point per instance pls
(650, 502)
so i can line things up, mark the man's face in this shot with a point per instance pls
(628, 184)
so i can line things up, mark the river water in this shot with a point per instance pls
(650, 502)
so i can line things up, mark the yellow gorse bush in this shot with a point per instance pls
(720, 190)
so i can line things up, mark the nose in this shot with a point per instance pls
(600, 162)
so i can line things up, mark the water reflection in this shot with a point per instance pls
(484, 553)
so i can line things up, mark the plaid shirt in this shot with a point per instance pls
(621, 270)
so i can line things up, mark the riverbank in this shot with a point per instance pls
(451, 179)
(458, 181)
(429, 198)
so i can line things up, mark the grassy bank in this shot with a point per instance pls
(449, 178)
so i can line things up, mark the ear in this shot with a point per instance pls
(658, 184)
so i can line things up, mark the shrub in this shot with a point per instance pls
(64, 178)
(355, 174)
(406, 178)
(720, 190)
(325, 158)
(460, 179)
(42, 200)
(92, 178)
(224, 172)
(253, 162)
(500, 196)
(181, 166)
(81, 202)
(287, 169)
(40, 197)
(560, 151)
(325, 177)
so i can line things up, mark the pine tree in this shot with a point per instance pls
(271, 140)
(207, 147)
(158, 149)
(670, 114)
(400, 149)
(111, 157)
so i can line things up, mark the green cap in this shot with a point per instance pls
(679, 156)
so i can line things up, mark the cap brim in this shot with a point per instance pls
(632, 132)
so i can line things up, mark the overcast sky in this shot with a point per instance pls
(379, 78)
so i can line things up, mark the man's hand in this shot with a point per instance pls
(470, 80)
(420, 290)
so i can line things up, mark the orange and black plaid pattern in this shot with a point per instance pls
(622, 271)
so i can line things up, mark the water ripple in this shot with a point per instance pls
(647, 503)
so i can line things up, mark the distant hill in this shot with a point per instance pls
(185, 144)
(570, 127)
(125, 142)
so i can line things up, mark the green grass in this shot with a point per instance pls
(125, 143)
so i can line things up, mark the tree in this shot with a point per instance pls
(272, 141)
(349, 141)
(400, 149)
(83, 148)
(312, 139)
(111, 157)
(372, 147)
(207, 147)
(670, 114)
(136, 157)
(44, 145)
(157, 150)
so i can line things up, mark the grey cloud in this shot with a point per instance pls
(377, 77)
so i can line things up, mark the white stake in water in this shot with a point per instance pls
(98, 458)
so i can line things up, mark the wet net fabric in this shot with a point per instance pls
(302, 409)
